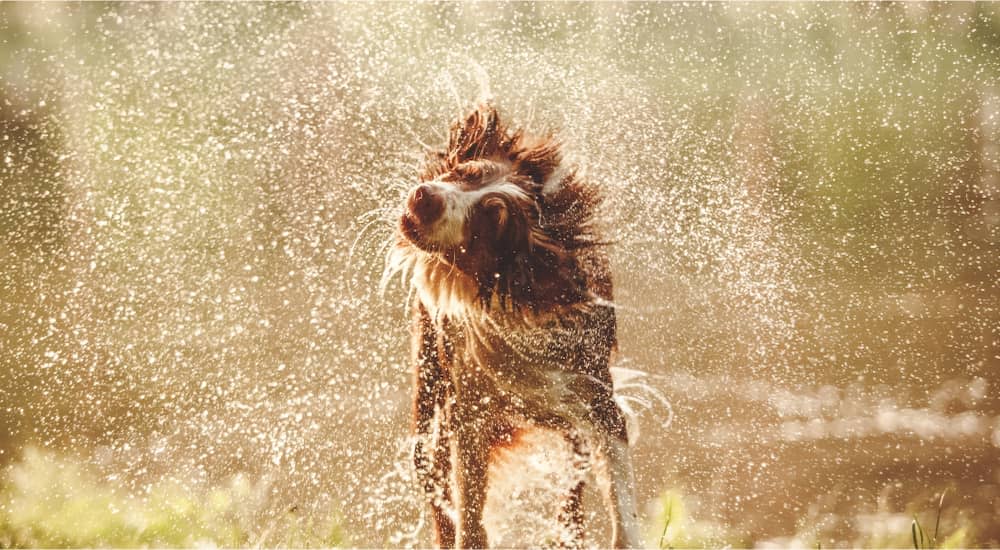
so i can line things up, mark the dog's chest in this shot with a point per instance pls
(529, 373)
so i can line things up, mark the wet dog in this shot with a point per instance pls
(513, 325)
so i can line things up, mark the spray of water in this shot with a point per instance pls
(198, 200)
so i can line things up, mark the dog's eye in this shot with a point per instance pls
(497, 209)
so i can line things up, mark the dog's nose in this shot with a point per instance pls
(425, 204)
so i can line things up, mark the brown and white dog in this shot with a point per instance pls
(512, 324)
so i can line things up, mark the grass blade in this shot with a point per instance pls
(937, 522)
(666, 524)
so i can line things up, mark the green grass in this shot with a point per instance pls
(671, 526)
(51, 501)
(960, 537)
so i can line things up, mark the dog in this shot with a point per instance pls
(513, 325)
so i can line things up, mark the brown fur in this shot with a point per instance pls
(512, 326)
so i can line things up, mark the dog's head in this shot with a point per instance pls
(497, 219)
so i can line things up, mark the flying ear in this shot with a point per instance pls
(478, 136)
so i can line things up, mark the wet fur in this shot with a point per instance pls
(512, 327)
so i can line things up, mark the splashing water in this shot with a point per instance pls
(196, 203)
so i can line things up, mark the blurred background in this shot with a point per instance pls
(195, 201)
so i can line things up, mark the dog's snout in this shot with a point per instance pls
(425, 204)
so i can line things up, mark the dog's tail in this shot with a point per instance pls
(636, 396)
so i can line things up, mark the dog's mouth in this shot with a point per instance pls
(411, 228)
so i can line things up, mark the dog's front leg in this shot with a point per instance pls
(433, 467)
(612, 433)
(431, 403)
(471, 483)
(571, 514)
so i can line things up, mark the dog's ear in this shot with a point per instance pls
(537, 159)
(480, 135)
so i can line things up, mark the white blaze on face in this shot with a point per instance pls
(449, 229)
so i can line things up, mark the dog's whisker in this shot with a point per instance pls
(368, 229)
(383, 214)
